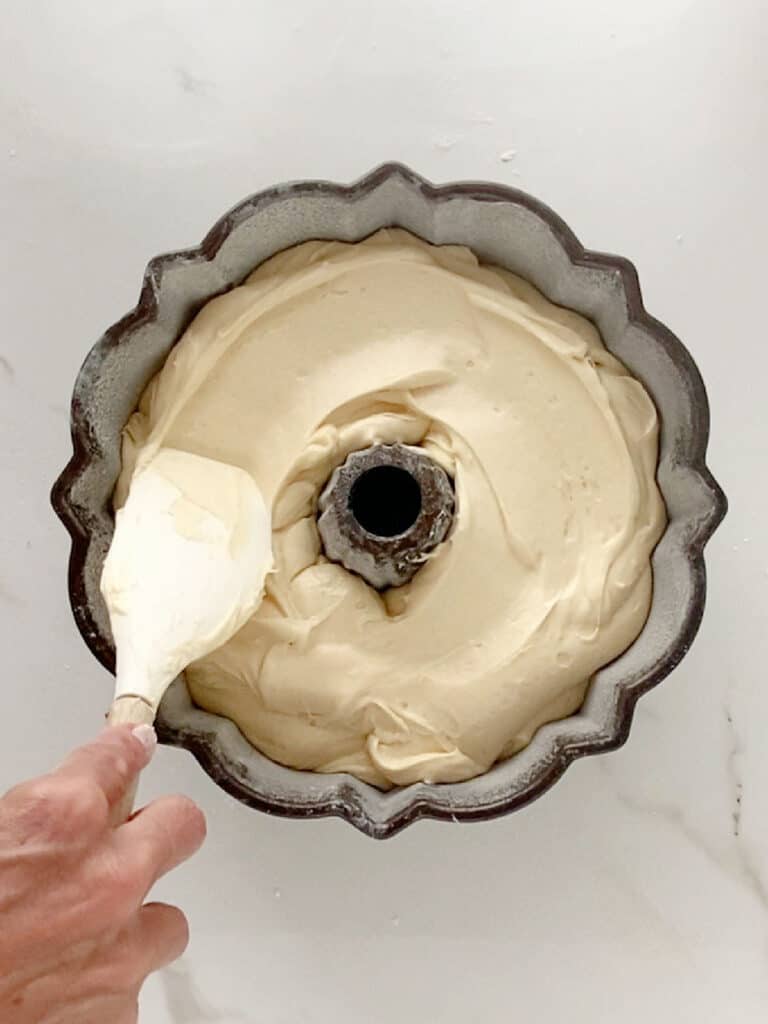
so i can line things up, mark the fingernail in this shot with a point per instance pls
(147, 736)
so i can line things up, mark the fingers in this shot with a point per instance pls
(159, 837)
(73, 802)
(161, 936)
(51, 810)
(156, 935)
(112, 760)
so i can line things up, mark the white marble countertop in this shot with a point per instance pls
(637, 889)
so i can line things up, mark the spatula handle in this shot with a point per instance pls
(134, 711)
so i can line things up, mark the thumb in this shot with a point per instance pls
(113, 760)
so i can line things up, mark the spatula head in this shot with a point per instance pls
(186, 567)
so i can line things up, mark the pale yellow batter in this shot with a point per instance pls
(328, 348)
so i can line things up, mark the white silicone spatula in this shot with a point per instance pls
(185, 570)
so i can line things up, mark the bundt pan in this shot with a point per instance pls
(502, 226)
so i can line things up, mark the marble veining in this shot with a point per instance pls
(186, 1003)
(733, 761)
(191, 83)
(737, 859)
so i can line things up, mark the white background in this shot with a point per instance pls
(637, 889)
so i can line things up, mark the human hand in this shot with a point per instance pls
(76, 938)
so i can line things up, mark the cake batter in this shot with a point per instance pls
(330, 347)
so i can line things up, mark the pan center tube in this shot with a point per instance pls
(383, 511)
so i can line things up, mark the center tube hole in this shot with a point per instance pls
(385, 500)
